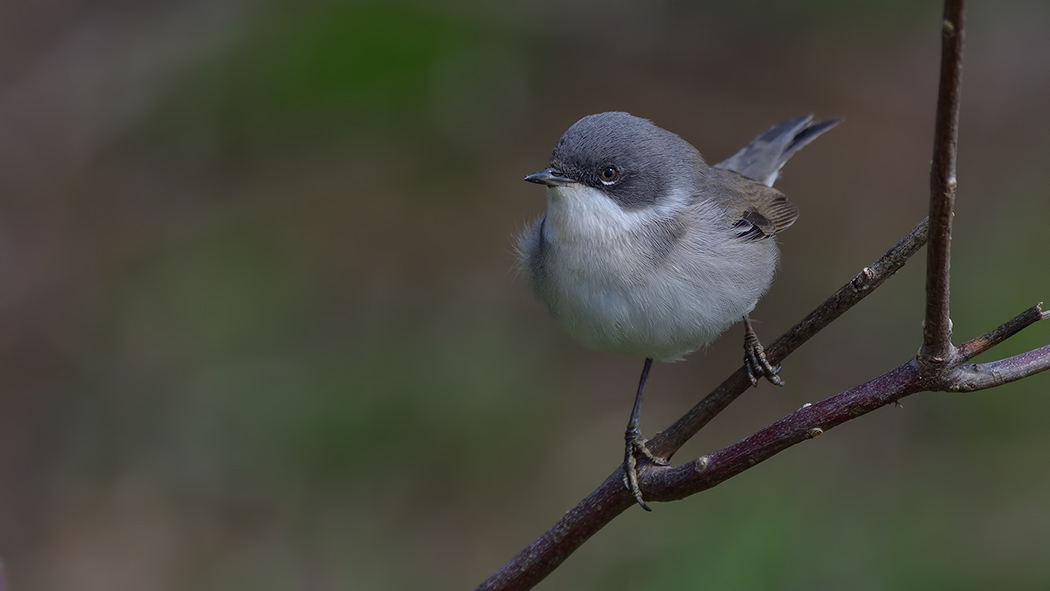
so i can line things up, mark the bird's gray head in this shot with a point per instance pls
(628, 159)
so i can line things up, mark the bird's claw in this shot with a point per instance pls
(636, 448)
(756, 363)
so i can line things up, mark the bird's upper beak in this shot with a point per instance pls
(552, 177)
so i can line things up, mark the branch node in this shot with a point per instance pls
(949, 29)
(862, 279)
(998, 375)
(814, 432)
(976, 376)
(701, 463)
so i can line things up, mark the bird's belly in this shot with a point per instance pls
(615, 289)
(614, 301)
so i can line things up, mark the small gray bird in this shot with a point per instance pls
(646, 250)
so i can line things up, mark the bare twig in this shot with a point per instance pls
(666, 484)
(937, 330)
(975, 347)
(980, 376)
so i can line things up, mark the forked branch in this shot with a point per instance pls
(611, 498)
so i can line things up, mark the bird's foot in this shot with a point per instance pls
(636, 449)
(755, 360)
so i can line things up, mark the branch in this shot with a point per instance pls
(814, 419)
(981, 376)
(805, 423)
(975, 347)
(610, 499)
(937, 329)
(668, 484)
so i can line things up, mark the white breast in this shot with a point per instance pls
(610, 288)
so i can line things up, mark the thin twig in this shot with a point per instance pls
(937, 331)
(981, 376)
(975, 347)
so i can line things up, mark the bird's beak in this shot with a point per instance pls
(552, 177)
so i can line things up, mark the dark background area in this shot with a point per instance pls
(259, 327)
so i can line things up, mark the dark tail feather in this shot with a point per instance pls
(762, 158)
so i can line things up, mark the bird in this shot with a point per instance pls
(646, 250)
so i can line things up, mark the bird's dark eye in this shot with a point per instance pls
(609, 174)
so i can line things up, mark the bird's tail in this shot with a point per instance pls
(763, 157)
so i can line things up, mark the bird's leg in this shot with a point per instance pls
(755, 358)
(636, 443)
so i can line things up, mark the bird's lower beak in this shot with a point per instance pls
(551, 177)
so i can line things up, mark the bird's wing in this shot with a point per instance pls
(757, 211)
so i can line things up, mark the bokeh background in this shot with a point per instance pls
(260, 329)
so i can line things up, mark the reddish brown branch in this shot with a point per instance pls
(981, 376)
(610, 499)
(805, 423)
(937, 331)
(541, 557)
(668, 484)
(975, 347)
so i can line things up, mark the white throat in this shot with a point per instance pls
(578, 213)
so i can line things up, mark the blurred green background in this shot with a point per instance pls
(259, 327)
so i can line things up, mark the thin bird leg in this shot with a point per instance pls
(755, 358)
(636, 443)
